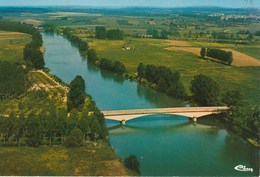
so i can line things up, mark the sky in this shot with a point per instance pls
(142, 3)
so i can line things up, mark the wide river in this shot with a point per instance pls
(165, 145)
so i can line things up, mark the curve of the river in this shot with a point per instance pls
(164, 145)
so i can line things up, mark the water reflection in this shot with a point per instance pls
(106, 75)
(155, 97)
(92, 68)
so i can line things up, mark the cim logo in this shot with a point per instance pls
(243, 168)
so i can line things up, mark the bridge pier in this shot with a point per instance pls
(122, 122)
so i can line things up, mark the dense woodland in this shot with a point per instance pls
(51, 125)
(13, 80)
(166, 80)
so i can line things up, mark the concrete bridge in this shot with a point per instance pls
(190, 112)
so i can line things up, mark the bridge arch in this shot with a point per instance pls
(190, 112)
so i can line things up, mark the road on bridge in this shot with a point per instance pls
(191, 112)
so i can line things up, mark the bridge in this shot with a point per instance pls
(190, 112)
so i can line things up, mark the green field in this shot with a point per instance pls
(151, 51)
(12, 45)
(91, 160)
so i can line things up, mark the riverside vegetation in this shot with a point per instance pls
(49, 115)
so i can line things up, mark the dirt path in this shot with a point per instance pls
(66, 89)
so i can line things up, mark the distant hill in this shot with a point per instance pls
(130, 10)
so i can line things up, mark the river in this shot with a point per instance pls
(165, 145)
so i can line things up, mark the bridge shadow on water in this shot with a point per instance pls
(153, 123)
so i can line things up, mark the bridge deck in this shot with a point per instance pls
(185, 111)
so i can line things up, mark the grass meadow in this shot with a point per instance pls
(96, 159)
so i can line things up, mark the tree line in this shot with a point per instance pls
(82, 45)
(104, 63)
(32, 54)
(52, 125)
(224, 56)
(112, 34)
(166, 80)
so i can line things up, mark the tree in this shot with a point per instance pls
(164, 34)
(101, 32)
(229, 58)
(92, 56)
(132, 163)
(34, 131)
(75, 138)
(94, 128)
(177, 91)
(203, 52)
(141, 70)
(76, 95)
(232, 97)
(119, 67)
(205, 90)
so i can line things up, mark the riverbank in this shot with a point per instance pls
(219, 120)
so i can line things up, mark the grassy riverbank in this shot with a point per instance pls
(94, 159)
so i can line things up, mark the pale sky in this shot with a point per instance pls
(142, 3)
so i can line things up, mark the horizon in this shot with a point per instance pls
(134, 3)
(121, 7)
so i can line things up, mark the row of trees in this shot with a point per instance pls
(105, 63)
(52, 126)
(112, 34)
(12, 80)
(165, 80)
(32, 54)
(219, 54)
(82, 45)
